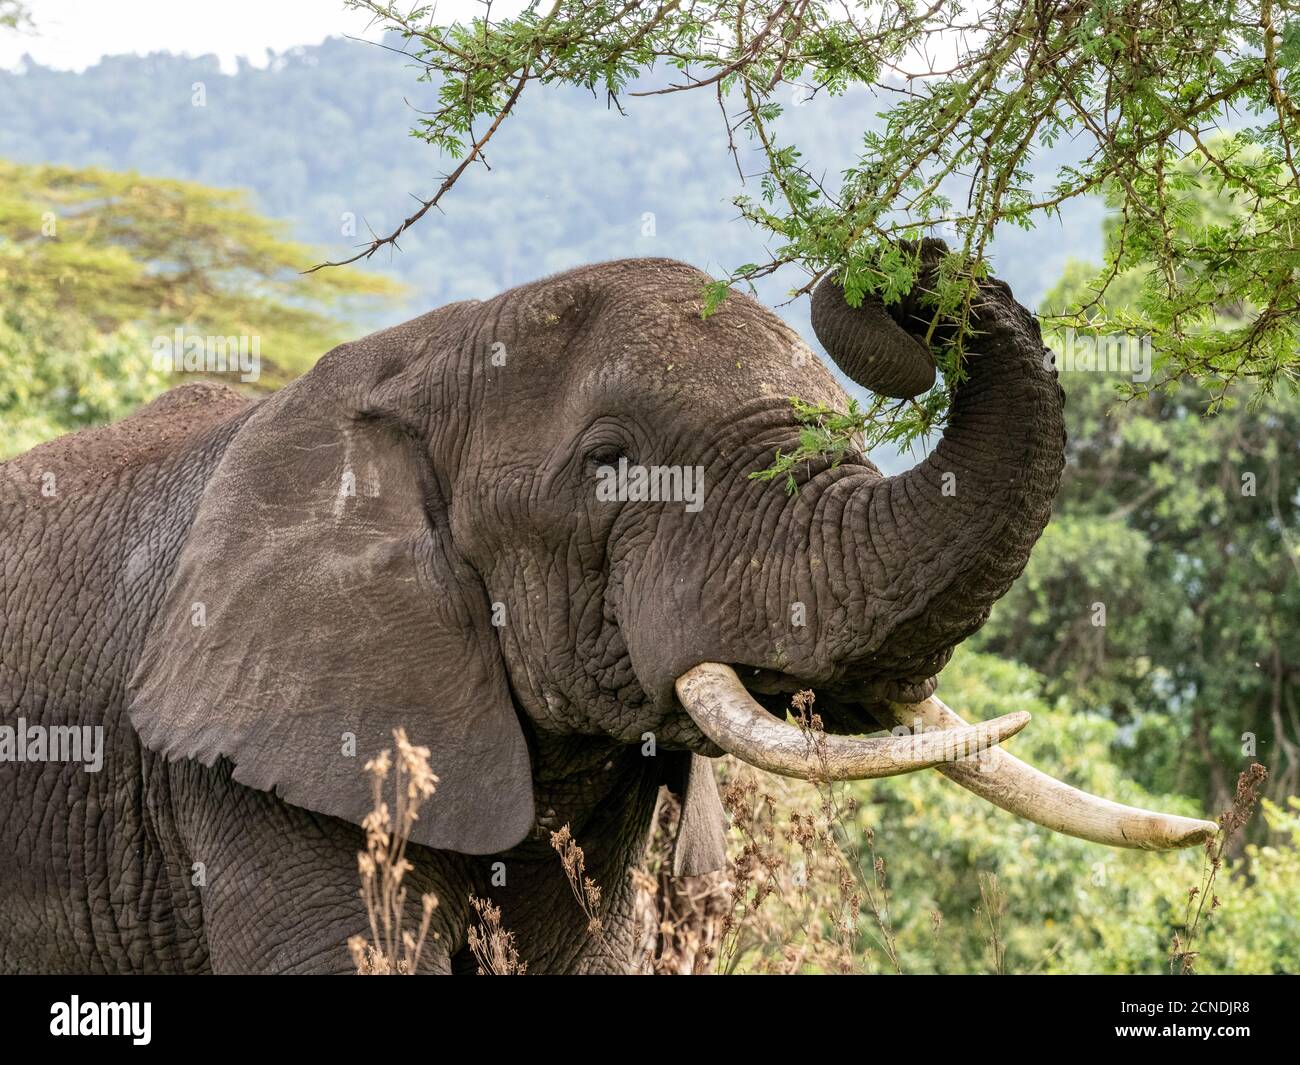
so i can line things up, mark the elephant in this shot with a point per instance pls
(244, 597)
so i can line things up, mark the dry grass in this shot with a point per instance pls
(585, 890)
(801, 869)
(994, 906)
(803, 888)
(1183, 953)
(678, 919)
(493, 947)
(795, 893)
(795, 897)
(389, 949)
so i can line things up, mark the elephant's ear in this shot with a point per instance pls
(318, 603)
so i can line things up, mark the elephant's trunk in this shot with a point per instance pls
(914, 564)
(925, 554)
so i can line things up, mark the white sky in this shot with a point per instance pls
(75, 34)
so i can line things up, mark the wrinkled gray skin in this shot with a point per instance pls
(347, 539)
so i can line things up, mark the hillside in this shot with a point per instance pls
(324, 130)
(322, 134)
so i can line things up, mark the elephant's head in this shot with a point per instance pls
(536, 513)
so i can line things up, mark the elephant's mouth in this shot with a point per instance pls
(747, 720)
(839, 712)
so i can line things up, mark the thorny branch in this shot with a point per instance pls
(1166, 104)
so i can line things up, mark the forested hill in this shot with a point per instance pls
(324, 132)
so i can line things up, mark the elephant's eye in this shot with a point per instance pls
(605, 455)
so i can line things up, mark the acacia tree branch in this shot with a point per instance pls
(450, 180)
(1145, 85)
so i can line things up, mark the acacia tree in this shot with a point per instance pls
(13, 15)
(1185, 528)
(95, 262)
(967, 98)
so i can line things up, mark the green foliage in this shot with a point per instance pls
(1140, 87)
(94, 263)
(1192, 278)
(1185, 527)
(825, 434)
(1069, 906)
(14, 15)
(82, 379)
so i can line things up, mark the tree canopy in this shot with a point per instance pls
(1166, 587)
(1170, 101)
(93, 263)
(14, 15)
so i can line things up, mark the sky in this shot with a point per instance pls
(75, 34)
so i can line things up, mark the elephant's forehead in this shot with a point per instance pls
(631, 334)
(744, 351)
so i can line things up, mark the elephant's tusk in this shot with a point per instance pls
(716, 700)
(1006, 781)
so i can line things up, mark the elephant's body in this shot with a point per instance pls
(99, 871)
(96, 864)
(250, 598)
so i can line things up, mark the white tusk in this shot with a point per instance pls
(1006, 781)
(717, 701)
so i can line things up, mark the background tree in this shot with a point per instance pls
(1180, 516)
(95, 263)
(13, 15)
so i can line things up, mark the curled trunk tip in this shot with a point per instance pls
(869, 345)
